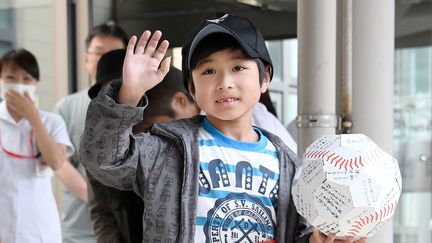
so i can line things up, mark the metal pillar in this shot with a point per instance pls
(316, 70)
(82, 23)
(373, 75)
(344, 64)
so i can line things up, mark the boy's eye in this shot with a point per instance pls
(238, 68)
(10, 77)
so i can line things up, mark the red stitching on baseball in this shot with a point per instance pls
(326, 152)
(340, 167)
(312, 154)
(346, 165)
(337, 156)
(328, 158)
(338, 161)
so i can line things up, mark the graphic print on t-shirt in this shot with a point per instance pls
(238, 188)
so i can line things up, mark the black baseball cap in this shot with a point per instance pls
(109, 67)
(242, 29)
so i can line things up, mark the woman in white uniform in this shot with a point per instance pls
(33, 143)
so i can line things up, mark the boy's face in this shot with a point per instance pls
(227, 86)
(100, 45)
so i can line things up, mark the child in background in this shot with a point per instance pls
(33, 143)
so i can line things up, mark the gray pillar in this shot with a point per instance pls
(344, 64)
(373, 58)
(316, 70)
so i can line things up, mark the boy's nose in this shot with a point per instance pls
(225, 82)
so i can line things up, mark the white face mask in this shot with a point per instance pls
(20, 88)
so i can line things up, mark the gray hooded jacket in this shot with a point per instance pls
(162, 167)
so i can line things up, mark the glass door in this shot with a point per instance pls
(412, 143)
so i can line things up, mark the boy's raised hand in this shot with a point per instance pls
(144, 66)
(317, 237)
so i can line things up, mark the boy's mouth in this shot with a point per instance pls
(227, 100)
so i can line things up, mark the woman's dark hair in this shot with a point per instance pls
(265, 99)
(23, 59)
(214, 43)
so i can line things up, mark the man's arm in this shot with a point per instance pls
(100, 202)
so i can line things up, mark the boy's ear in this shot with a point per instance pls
(191, 88)
(179, 102)
(266, 80)
(182, 107)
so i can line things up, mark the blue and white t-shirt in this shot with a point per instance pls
(238, 188)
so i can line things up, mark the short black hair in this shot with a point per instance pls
(214, 43)
(160, 96)
(107, 29)
(23, 59)
(159, 99)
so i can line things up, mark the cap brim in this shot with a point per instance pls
(212, 28)
(94, 90)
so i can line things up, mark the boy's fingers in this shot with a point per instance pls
(161, 50)
(140, 48)
(317, 235)
(349, 240)
(362, 240)
(330, 238)
(131, 45)
(152, 43)
(164, 67)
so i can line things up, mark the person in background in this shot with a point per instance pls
(76, 224)
(33, 143)
(117, 215)
(169, 100)
(264, 116)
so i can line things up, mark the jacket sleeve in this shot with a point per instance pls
(299, 230)
(109, 150)
(303, 229)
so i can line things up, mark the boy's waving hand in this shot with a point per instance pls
(144, 66)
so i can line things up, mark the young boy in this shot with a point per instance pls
(206, 179)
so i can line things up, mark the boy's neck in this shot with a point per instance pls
(240, 130)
